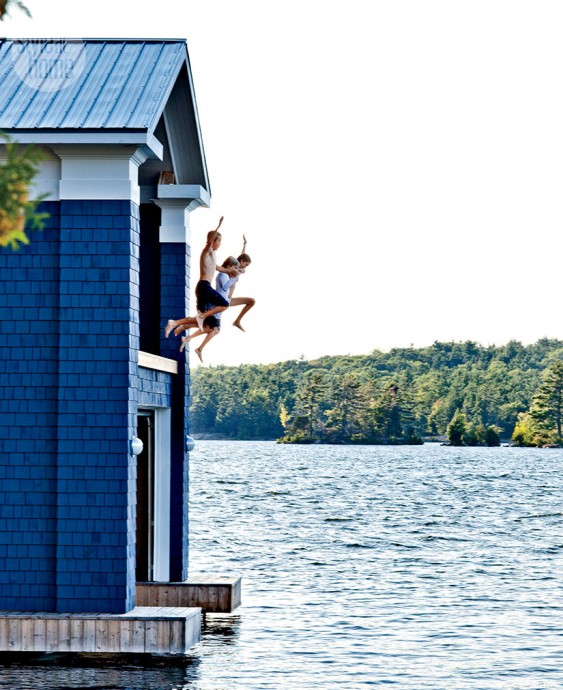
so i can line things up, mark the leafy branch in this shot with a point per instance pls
(16, 175)
(16, 208)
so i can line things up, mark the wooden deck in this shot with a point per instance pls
(211, 594)
(144, 630)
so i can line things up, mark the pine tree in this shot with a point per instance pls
(343, 417)
(310, 395)
(456, 429)
(546, 410)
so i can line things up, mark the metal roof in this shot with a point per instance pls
(87, 84)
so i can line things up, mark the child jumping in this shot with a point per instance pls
(208, 300)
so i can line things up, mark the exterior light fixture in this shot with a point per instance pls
(190, 443)
(136, 446)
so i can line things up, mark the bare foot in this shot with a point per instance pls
(183, 345)
(237, 324)
(198, 353)
(169, 326)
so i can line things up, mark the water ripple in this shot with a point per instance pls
(417, 568)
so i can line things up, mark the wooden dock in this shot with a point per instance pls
(211, 594)
(165, 621)
(144, 630)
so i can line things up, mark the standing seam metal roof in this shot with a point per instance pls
(86, 84)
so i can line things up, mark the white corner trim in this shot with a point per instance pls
(161, 551)
(47, 180)
(100, 189)
(174, 220)
(103, 172)
(174, 234)
(176, 201)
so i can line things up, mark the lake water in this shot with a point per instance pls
(403, 567)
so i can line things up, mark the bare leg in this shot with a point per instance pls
(188, 322)
(210, 312)
(209, 336)
(248, 302)
(187, 339)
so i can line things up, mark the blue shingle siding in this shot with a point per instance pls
(28, 419)
(99, 340)
(154, 388)
(175, 259)
(69, 338)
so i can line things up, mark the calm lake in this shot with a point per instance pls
(421, 567)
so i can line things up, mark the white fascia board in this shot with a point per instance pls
(154, 149)
(188, 192)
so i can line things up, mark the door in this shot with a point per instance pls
(145, 497)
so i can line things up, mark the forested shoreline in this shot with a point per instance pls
(466, 392)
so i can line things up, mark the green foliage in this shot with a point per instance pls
(16, 209)
(395, 397)
(492, 437)
(457, 430)
(524, 434)
(541, 425)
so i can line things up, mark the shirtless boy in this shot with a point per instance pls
(212, 325)
(208, 300)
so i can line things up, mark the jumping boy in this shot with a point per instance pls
(208, 300)
(212, 324)
(225, 285)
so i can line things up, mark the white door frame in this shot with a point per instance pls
(161, 529)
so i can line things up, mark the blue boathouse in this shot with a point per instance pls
(84, 369)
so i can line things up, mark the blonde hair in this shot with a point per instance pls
(230, 261)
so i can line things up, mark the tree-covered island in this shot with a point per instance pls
(465, 392)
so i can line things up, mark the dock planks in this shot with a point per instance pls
(217, 594)
(144, 630)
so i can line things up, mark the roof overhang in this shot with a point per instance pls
(151, 145)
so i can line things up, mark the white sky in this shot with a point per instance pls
(397, 165)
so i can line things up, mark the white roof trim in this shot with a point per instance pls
(155, 148)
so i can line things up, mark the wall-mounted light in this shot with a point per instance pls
(136, 446)
(190, 443)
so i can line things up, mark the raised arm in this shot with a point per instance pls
(232, 271)
(212, 234)
(243, 244)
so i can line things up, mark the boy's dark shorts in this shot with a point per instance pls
(212, 321)
(207, 297)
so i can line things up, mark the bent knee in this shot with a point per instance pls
(251, 301)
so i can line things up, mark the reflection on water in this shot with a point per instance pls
(421, 568)
(103, 672)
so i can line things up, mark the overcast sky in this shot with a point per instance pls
(397, 165)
